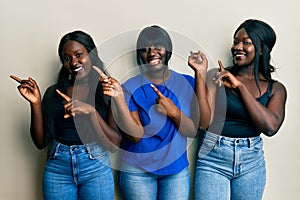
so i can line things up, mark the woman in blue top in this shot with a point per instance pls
(156, 112)
(231, 162)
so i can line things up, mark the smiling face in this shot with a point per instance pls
(154, 56)
(76, 59)
(243, 50)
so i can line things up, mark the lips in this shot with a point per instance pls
(154, 60)
(77, 69)
(239, 55)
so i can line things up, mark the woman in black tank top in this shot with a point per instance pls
(74, 121)
(239, 103)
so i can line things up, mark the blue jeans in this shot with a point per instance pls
(147, 186)
(78, 171)
(230, 168)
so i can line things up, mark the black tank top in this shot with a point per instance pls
(65, 129)
(231, 118)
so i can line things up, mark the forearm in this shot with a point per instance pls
(185, 125)
(125, 120)
(202, 99)
(263, 118)
(108, 137)
(37, 127)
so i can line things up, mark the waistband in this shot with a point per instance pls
(83, 148)
(248, 142)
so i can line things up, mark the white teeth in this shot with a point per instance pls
(77, 69)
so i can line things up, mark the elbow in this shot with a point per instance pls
(40, 146)
(115, 144)
(204, 124)
(271, 131)
(134, 139)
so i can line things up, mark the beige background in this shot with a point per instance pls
(30, 32)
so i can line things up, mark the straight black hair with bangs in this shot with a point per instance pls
(153, 35)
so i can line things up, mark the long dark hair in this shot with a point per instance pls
(51, 99)
(263, 38)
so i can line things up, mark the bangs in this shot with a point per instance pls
(153, 36)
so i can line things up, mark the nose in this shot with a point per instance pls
(151, 51)
(239, 46)
(74, 62)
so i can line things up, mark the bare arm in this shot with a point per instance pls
(107, 136)
(198, 62)
(30, 91)
(128, 122)
(267, 119)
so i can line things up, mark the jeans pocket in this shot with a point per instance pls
(95, 151)
(207, 145)
(257, 146)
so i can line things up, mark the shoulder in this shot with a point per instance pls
(279, 89)
(133, 80)
(50, 91)
(188, 77)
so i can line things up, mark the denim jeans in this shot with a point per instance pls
(146, 186)
(230, 168)
(78, 171)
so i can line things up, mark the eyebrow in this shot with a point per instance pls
(243, 38)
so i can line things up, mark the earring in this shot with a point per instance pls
(70, 76)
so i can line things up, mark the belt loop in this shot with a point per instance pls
(219, 141)
(250, 142)
(57, 147)
(88, 148)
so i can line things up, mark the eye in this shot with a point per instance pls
(247, 42)
(235, 42)
(78, 55)
(66, 58)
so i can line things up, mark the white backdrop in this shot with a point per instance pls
(31, 30)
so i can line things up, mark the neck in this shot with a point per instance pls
(158, 77)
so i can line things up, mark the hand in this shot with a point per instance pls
(164, 104)
(225, 78)
(28, 89)
(198, 61)
(111, 87)
(73, 107)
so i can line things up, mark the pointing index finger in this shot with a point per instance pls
(221, 66)
(100, 72)
(159, 94)
(16, 78)
(65, 97)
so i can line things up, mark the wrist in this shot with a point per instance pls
(240, 86)
(36, 103)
